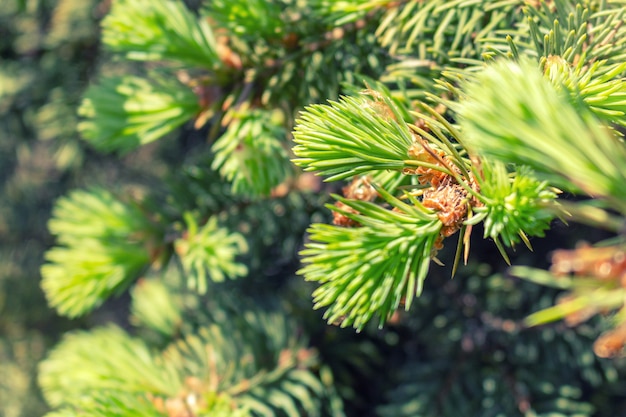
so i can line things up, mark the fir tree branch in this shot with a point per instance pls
(514, 205)
(122, 113)
(209, 252)
(441, 30)
(103, 244)
(166, 319)
(352, 136)
(158, 30)
(514, 114)
(239, 363)
(104, 359)
(251, 153)
(372, 269)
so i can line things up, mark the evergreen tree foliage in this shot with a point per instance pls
(225, 359)
(99, 250)
(126, 112)
(47, 53)
(253, 141)
(438, 119)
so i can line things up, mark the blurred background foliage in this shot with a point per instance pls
(49, 51)
(466, 334)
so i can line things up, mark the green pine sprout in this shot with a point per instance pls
(352, 136)
(581, 50)
(102, 246)
(597, 86)
(209, 252)
(122, 113)
(512, 113)
(123, 404)
(251, 153)
(158, 30)
(581, 57)
(267, 383)
(591, 278)
(220, 405)
(249, 362)
(515, 205)
(580, 32)
(106, 405)
(372, 269)
(587, 300)
(104, 359)
(166, 318)
(391, 181)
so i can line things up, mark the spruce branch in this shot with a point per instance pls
(514, 114)
(443, 388)
(580, 33)
(145, 295)
(322, 69)
(372, 269)
(468, 328)
(105, 359)
(103, 244)
(515, 205)
(580, 48)
(274, 378)
(105, 405)
(352, 136)
(209, 252)
(249, 362)
(251, 154)
(160, 30)
(414, 77)
(597, 85)
(122, 113)
(576, 306)
(443, 30)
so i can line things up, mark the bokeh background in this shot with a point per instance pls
(49, 53)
